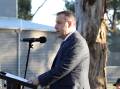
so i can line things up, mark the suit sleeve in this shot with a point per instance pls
(70, 58)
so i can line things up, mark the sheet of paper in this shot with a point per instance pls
(16, 77)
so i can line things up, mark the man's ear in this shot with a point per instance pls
(69, 23)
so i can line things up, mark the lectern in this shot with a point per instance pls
(15, 82)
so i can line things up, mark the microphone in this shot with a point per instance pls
(40, 39)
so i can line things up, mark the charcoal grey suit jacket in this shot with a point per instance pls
(70, 67)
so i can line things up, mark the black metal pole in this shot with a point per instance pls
(26, 66)
(30, 46)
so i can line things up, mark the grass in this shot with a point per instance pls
(110, 86)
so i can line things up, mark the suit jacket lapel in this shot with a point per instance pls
(63, 44)
(58, 53)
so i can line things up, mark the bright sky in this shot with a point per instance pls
(47, 13)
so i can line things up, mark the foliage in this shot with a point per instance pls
(70, 5)
(24, 9)
(115, 6)
(114, 31)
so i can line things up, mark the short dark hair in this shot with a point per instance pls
(66, 13)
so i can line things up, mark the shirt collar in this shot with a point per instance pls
(68, 35)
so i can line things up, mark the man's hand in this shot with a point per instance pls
(34, 81)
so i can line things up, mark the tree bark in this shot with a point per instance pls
(91, 24)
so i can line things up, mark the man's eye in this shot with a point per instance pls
(58, 23)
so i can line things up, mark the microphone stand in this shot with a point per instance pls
(30, 46)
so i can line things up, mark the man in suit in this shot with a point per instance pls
(71, 65)
(117, 84)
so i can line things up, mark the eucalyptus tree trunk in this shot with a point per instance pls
(91, 24)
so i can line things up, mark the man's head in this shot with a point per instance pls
(117, 84)
(65, 23)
